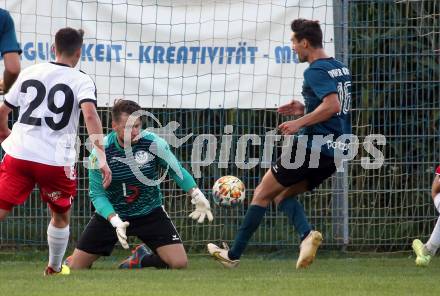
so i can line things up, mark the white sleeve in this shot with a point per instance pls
(87, 91)
(13, 95)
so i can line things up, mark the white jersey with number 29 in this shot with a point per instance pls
(49, 96)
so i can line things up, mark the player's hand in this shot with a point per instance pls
(203, 209)
(2, 87)
(289, 127)
(106, 176)
(293, 108)
(121, 228)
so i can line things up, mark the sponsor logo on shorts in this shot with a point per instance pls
(54, 196)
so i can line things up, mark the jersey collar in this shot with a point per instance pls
(322, 59)
(60, 64)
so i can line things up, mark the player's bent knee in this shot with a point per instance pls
(435, 193)
(435, 189)
(81, 260)
(178, 264)
(76, 266)
(60, 220)
(177, 261)
(259, 193)
(261, 197)
(278, 200)
(260, 200)
(3, 214)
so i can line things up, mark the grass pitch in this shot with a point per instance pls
(22, 275)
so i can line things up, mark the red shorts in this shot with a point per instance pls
(437, 170)
(18, 178)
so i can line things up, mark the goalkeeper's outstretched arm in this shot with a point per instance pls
(104, 207)
(185, 181)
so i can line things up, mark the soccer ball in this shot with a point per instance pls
(228, 191)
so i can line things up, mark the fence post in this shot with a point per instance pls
(339, 204)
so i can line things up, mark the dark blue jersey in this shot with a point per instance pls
(322, 78)
(8, 39)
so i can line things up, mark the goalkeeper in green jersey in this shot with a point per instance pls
(130, 206)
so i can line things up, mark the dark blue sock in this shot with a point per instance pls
(296, 215)
(251, 221)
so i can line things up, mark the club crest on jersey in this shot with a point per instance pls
(142, 157)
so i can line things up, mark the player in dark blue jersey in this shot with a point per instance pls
(324, 118)
(10, 51)
(132, 205)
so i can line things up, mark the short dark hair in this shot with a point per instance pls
(309, 30)
(68, 40)
(124, 106)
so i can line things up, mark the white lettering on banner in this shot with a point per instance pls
(205, 54)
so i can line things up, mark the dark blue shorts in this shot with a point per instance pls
(314, 176)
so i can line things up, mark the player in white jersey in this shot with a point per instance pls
(425, 252)
(40, 149)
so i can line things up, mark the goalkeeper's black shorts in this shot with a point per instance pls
(155, 230)
(312, 172)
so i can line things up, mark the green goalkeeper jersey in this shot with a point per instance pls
(134, 190)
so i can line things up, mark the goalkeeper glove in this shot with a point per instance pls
(203, 208)
(120, 228)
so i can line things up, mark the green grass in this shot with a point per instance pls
(255, 276)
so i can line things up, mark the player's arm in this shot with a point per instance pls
(94, 129)
(177, 172)
(4, 113)
(101, 203)
(325, 88)
(10, 102)
(294, 107)
(97, 194)
(184, 180)
(329, 107)
(11, 55)
(12, 69)
(87, 101)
